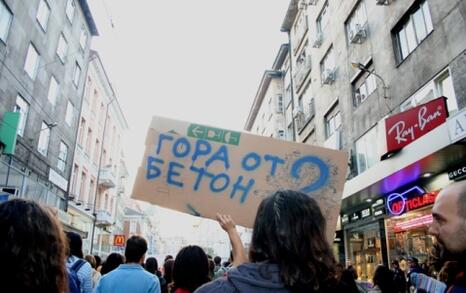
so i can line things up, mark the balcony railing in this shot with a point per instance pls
(103, 218)
(107, 177)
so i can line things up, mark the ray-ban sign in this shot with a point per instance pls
(404, 128)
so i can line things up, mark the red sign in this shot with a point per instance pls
(119, 240)
(404, 205)
(404, 128)
(413, 223)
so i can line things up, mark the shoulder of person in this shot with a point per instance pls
(218, 285)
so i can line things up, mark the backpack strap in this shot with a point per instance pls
(77, 265)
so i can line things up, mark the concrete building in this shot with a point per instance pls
(44, 48)
(358, 65)
(98, 167)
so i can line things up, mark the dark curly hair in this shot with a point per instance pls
(32, 249)
(113, 261)
(289, 231)
(191, 268)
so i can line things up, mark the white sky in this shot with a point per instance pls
(195, 60)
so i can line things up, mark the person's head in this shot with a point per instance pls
(135, 250)
(211, 268)
(32, 248)
(75, 244)
(217, 260)
(91, 260)
(168, 270)
(449, 218)
(169, 256)
(191, 268)
(98, 261)
(112, 262)
(395, 264)
(289, 230)
(151, 265)
(347, 278)
(413, 262)
(383, 278)
(449, 272)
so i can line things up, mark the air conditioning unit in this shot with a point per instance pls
(318, 40)
(358, 34)
(382, 2)
(328, 76)
(280, 133)
(359, 98)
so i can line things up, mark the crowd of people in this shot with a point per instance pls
(288, 253)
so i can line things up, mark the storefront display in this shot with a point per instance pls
(365, 249)
(408, 236)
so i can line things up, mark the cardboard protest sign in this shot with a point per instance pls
(203, 170)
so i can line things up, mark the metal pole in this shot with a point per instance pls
(94, 213)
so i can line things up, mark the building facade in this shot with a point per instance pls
(358, 65)
(97, 180)
(44, 48)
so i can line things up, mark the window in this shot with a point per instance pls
(441, 85)
(83, 38)
(62, 156)
(323, 18)
(43, 144)
(70, 5)
(43, 13)
(289, 132)
(332, 122)
(96, 152)
(327, 66)
(62, 48)
(74, 179)
(88, 141)
(91, 188)
(82, 188)
(82, 127)
(32, 62)
(69, 117)
(5, 21)
(299, 29)
(366, 150)
(77, 74)
(364, 86)
(23, 108)
(280, 104)
(357, 23)
(53, 91)
(412, 30)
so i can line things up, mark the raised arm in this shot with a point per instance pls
(227, 224)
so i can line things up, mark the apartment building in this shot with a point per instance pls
(44, 48)
(97, 180)
(357, 66)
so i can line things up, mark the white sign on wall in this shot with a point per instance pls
(457, 126)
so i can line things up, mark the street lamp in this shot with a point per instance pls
(94, 212)
(361, 67)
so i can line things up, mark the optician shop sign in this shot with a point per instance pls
(458, 172)
(404, 128)
(408, 200)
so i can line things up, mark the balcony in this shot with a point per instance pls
(107, 177)
(103, 218)
(303, 67)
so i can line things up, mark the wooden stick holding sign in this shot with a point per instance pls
(203, 170)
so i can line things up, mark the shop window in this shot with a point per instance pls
(412, 29)
(366, 150)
